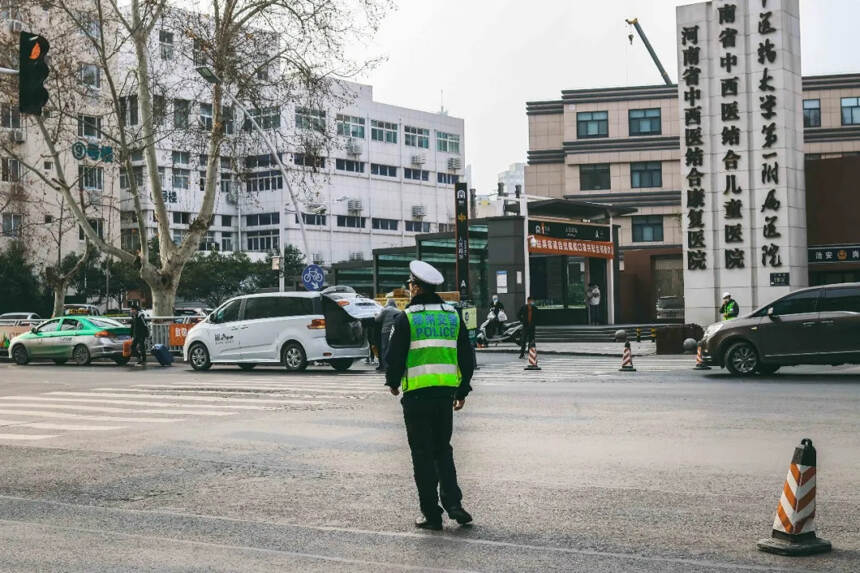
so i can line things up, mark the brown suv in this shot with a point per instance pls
(818, 325)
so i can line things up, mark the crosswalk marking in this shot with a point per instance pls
(25, 437)
(114, 410)
(273, 403)
(69, 427)
(92, 418)
(227, 389)
(180, 398)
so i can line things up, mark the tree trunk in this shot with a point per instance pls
(59, 297)
(163, 299)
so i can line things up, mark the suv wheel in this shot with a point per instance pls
(20, 356)
(294, 358)
(198, 356)
(742, 359)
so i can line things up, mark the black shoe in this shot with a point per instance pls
(460, 515)
(522, 356)
(431, 524)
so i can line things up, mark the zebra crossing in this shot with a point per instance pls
(577, 368)
(51, 414)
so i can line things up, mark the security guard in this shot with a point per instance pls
(730, 308)
(430, 356)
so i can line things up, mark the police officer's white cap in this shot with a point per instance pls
(727, 294)
(426, 273)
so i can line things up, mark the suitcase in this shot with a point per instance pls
(162, 354)
(126, 349)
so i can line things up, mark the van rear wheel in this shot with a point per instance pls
(294, 358)
(341, 364)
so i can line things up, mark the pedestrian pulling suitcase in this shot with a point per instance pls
(162, 354)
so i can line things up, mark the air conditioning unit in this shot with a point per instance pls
(354, 205)
(17, 136)
(354, 147)
(454, 163)
(94, 196)
(356, 256)
(419, 159)
(15, 26)
(419, 211)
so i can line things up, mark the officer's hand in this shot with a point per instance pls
(458, 404)
(394, 391)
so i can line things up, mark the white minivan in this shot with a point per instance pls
(289, 328)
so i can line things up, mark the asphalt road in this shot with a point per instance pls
(577, 467)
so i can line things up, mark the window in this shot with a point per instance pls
(647, 228)
(262, 240)
(447, 178)
(416, 226)
(264, 181)
(207, 242)
(159, 109)
(181, 157)
(12, 223)
(263, 219)
(384, 224)
(812, 113)
(198, 53)
(181, 178)
(226, 241)
(350, 126)
(646, 174)
(226, 220)
(227, 119)
(165, 40)
(252, 161)
(841, 300)
(447, 142)
(416, 137)
(180, 113)
(98, 225)
(313, 219)
(70, 324)
(89, 126)
(850, 111)
(10, 10)
(206, 116)
(128, 109)
(416, 174)
(349, 165)
(797, 303)
(226, 183)
(307, 160)
(383, 131)
(228, 312)
(277, 306)
(202, 177)
(52, 326)
(351, 221)
(137, 174)
(645, 121)
(266, 118)
(446, 227)
(592, 124)
(91, 178)
(179, 236)
(383, 170)
(307, 118)
(90, 26)
(10, 116)
(89, 75)
(181, 217)
(11, 170)
(129, 239)
(594, 176)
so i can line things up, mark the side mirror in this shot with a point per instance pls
(33, 329)
(770, 313)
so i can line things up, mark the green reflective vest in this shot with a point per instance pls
(730, 310)
(432, 358)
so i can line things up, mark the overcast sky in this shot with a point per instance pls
(491, 56)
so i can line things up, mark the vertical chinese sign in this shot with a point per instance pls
(461, 240)
(742, 152)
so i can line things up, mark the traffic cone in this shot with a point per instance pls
(533, 365)
(794, 525)
(700, 362)
(627, 359)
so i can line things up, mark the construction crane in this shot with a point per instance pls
(635, 23)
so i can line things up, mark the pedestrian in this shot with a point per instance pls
(139, 334)
(593, 295)
(730, 308)
(385, 322)
(528, 318)
(497, 316)
(430, 357)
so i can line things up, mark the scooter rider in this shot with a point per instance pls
(497, 312)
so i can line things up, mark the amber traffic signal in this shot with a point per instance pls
(32, 72)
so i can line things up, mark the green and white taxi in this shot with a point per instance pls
(77, 338)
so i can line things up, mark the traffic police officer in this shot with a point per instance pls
(730, 308)
(429, 355)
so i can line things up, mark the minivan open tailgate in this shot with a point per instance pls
(355, 305)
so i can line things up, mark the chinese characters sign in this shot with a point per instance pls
(461, 238)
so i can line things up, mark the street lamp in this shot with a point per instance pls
(211, 77)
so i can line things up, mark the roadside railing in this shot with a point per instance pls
(169, 331)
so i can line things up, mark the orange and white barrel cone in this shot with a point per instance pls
(533, 365)
(627, 359)
(700, 362)
(794, 526)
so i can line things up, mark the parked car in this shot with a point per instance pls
(288, 328)
(16, 316)
(79, 338)
(81, 310)
(670, 308)
(818, 325)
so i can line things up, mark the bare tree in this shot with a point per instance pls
(267, 53)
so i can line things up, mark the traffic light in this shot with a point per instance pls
(32, 72)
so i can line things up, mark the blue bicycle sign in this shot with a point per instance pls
(313, 277)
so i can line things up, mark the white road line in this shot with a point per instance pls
(115, 410)
(224, 399)
(71, 427)
(92, 418)
(226, 389)
(26, 436)
(165, 404)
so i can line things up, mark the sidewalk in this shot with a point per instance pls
(580, 348)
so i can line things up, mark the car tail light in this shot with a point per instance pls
(317, 324)
(343, 303)
(102, 334)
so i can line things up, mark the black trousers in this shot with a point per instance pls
(138, 348)
(528, 338)
(428, 429)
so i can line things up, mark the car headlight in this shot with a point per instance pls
(713, 329)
